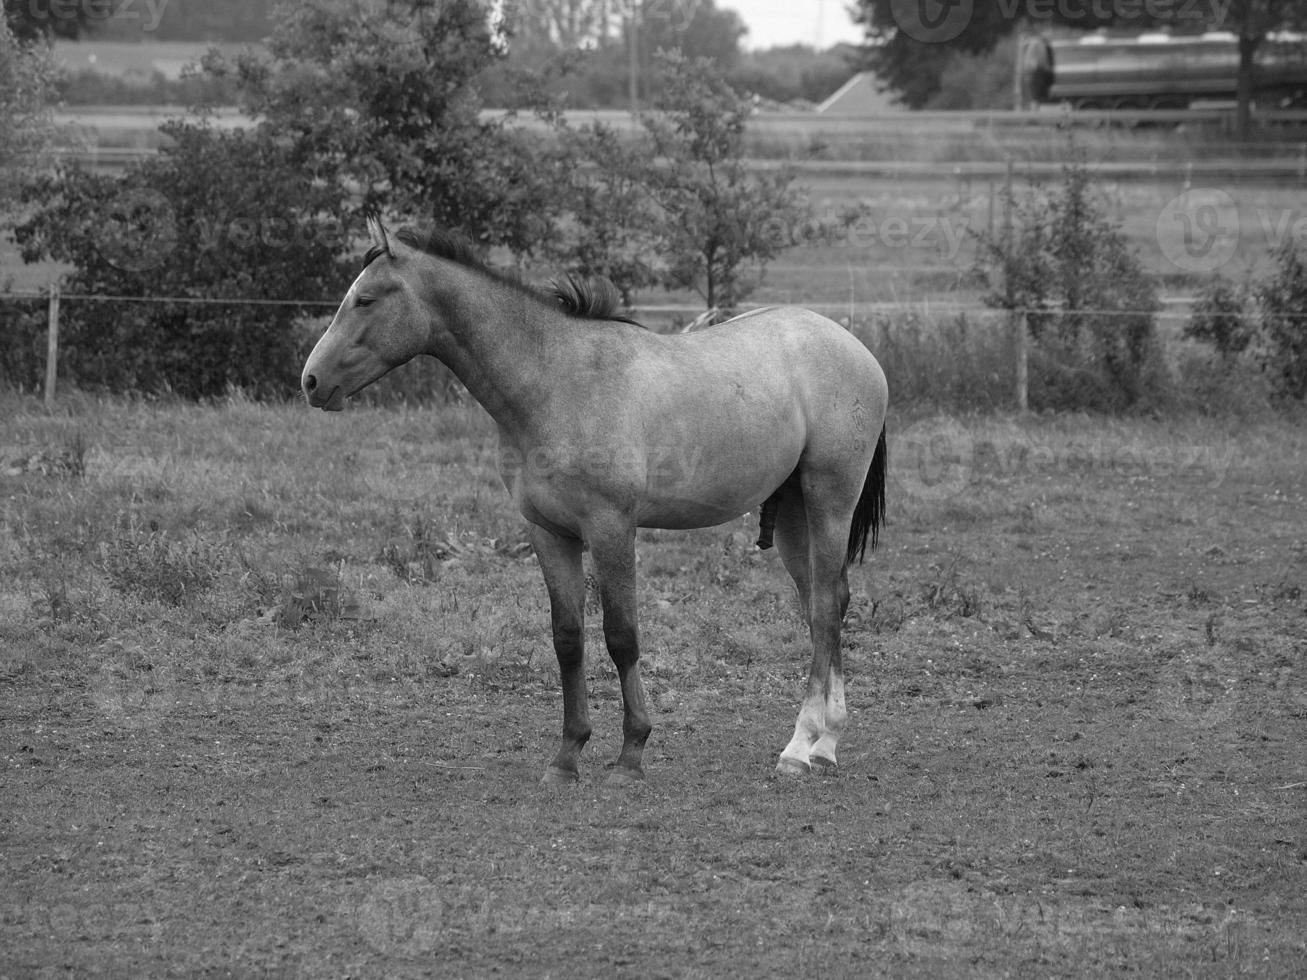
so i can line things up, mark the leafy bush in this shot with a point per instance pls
(1089, 305)
(22, 355)
(1220, 318)
(1264, 322)
(1282, 304)
(217, 216)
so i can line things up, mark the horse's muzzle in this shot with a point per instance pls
(320, 396)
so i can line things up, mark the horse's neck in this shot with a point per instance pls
(504, 347)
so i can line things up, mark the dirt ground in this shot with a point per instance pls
(1076, 747)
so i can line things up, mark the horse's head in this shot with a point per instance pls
(380, 325)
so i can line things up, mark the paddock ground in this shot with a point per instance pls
(275, 692)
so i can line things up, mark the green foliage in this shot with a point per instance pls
(27, 76)
(721, 222)
(977, 80)
(612, 227)
(155, 566)
(1263, 323)
(1089, 305)
(218, 215)
(382, 97)
(677, 203)
(22, 355)
(915, 61)
(1282, 304)
(1219, 317)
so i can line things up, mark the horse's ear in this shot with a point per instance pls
(377, 232)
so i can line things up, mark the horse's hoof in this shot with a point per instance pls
(555, 776)
(622, 776)
(791, 766)
(823, 766)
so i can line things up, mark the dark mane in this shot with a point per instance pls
(577, 296)
(590, 298)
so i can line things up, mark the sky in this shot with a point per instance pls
(819, 23)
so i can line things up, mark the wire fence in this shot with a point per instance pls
(21, 358)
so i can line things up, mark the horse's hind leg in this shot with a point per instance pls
(560, 560)
(791, 537)
(821, 574)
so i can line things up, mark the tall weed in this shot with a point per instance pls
(953, 362)
(155, 566)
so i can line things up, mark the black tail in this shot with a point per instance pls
(870, 512)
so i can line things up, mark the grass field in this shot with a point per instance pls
(276, 690)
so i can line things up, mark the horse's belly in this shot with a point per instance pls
(704, 489)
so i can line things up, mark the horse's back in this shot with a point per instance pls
(795, 346)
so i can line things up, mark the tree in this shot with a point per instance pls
(910, 50)
(1252, 21)
(382, 96)
(909, 57)
(698, 30)
(722, 222)
(560, 25)
(27, 75)
(911, 42)
(611, 228)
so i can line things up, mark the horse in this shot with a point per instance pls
(606, 427)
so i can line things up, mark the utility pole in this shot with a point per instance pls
(633, 53)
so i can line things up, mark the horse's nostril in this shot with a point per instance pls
(310, 383)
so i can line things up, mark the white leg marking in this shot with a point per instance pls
(807, 730)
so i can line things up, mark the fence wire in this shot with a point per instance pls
(1172, 307)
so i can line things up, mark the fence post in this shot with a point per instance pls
(52, 346)
(1021, 348)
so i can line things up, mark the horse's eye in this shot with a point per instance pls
(362, 300)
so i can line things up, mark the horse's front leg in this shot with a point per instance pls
(613, 549)
(560, 560)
